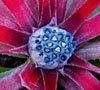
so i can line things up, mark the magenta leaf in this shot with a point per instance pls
(61, 9)
(90, 50)
(12, 37)
(45, 12)
(50, 79)
(30, 76)
(90, 29)
(39, 86)
(73, 7)
(34, 7)
(6, 17)
(83, 78)
(77, 61)
(23, 50)
(68, 83)
(22, 13)
(12, 80)
(76, 20)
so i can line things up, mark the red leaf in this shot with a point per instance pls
(6, 17)
(61, 10)
(77, 19)
(58, 9)
(12, 37)
(39, 86)
(30, 76)
(77, 61)
(34, 7)
(18, 50)
(83, 78)
(4, 47)
(75, 5)
(50, 79)
(22, 13)
(89, 30)
(53, 7)
(68, 84)
(45, 12)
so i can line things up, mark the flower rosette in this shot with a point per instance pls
(48, 33)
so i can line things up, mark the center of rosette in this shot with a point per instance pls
(51, 47)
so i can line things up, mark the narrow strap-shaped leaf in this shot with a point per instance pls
(61, 10)
(53, 8)
(89, 30)
(76, 20)
(22, 13)
(82, 77)
(30, 76)
(90, 51)
(77, 61)
(17, 50)
(58, 9)
(5, 47)
(34, 7)
(12, 37)
(73, 7)
(50, 79)
(39, 85)
(11, 81)
(6, 18)
(45, 12)
(68, 84)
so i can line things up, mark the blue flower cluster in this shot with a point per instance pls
(55, 46)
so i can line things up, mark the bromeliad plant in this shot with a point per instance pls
(48, 33)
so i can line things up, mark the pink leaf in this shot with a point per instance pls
(18, 50)
(68, 84)
(61, 10)
(11, 81)
(5, 47)
(77, 61)
(73, 7)
(30, 76)
(53, 7)
(90, 50)
(89, 30)
(6, 17)
(50, 79)
(34, 7)
(76, 20)
(39, 86)
(12, 37)
(22, 13)
(83, 78)
(45, 13)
